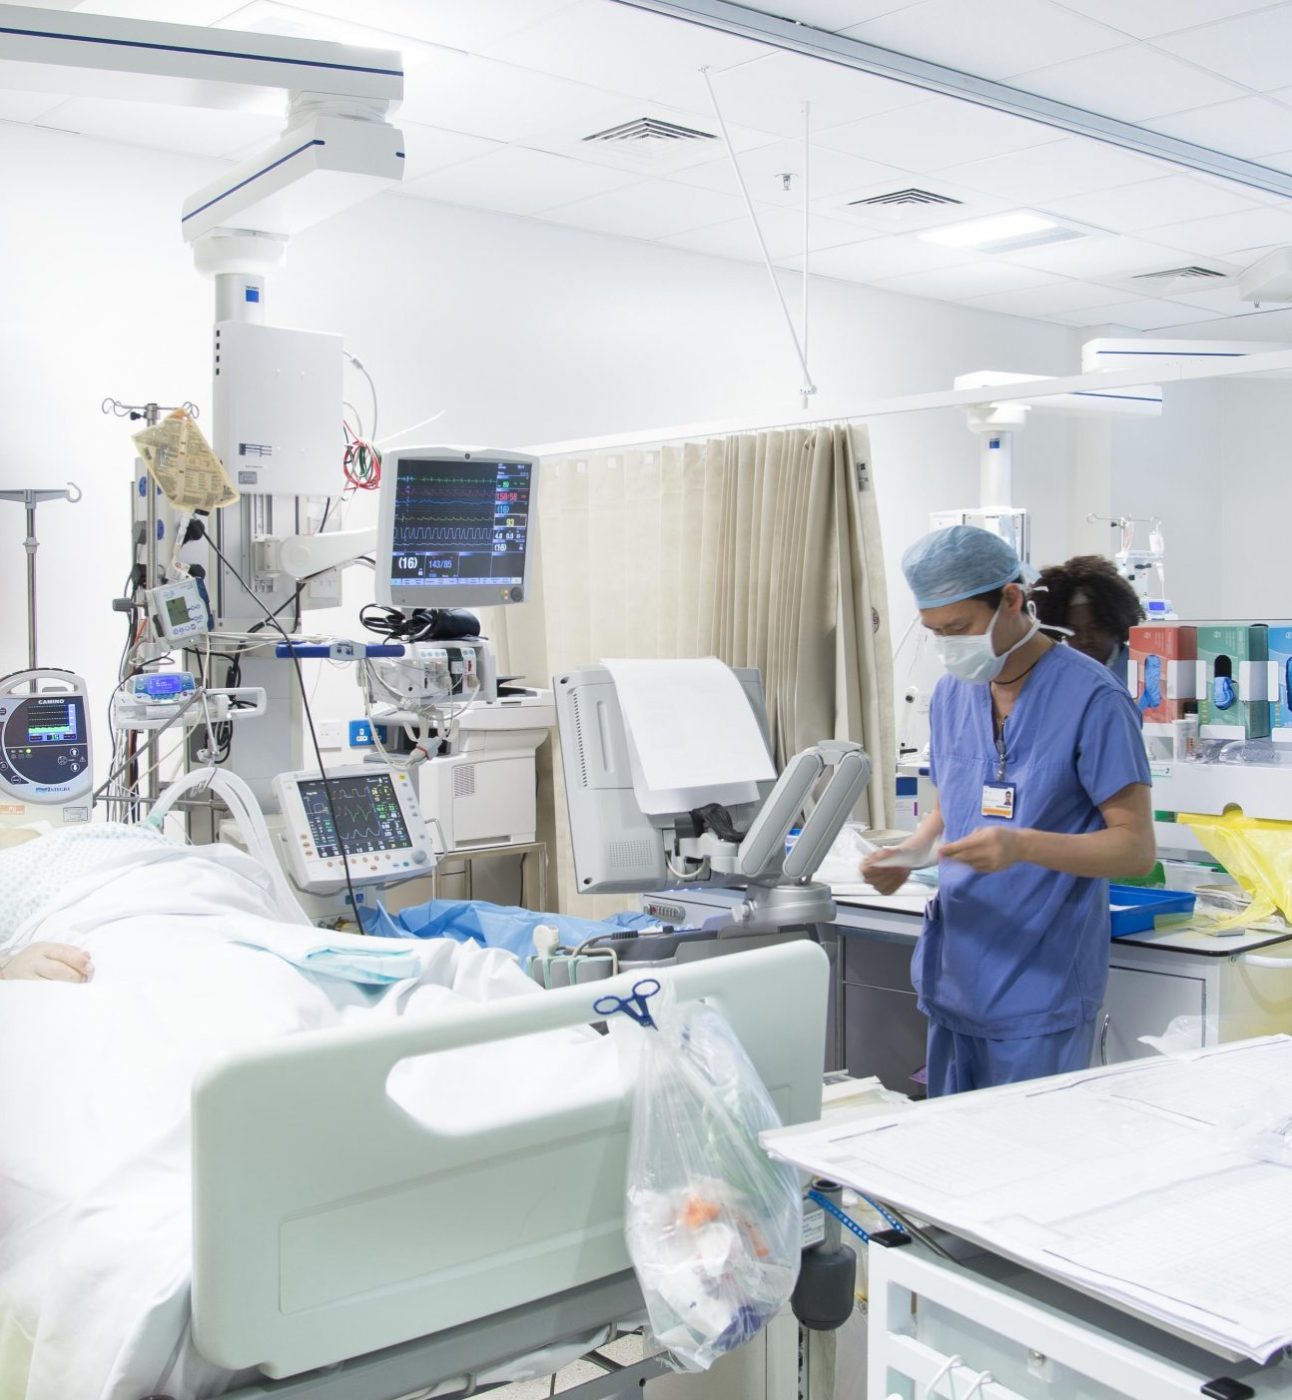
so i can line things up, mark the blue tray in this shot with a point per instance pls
(1145, 906)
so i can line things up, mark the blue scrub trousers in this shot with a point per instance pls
(957, 1063)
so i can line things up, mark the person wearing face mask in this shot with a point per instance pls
(1089, 598)
(1043, 795)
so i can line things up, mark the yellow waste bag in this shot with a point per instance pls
(1258, 854)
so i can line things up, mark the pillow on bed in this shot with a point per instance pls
(34, 872)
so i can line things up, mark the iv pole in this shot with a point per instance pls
(29, 499)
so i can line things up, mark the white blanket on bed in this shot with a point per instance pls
(94, 1108)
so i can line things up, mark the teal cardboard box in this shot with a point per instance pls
(1234, 664)
(1281, 657)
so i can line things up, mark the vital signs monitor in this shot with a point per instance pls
(368, 811)
(45, 760)
(454, 526)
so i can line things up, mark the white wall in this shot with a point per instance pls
(1168, 467)
(1251, 484)
(524, 332)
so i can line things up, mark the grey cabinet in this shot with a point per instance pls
(884, 1031)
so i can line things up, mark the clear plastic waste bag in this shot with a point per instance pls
(714, 1226)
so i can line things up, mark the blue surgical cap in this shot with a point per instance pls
(957, 563)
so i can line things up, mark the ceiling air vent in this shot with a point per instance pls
(1180, 274)
(649, 129)
(897, 200)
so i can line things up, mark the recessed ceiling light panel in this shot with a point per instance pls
(1004, 233)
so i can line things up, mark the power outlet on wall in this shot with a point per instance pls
(329, 732)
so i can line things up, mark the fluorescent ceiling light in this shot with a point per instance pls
(999, 229)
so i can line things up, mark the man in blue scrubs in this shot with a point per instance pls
(1043, 795)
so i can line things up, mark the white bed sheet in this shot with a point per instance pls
(94, 1108)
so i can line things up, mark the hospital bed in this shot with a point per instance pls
(349, 1252)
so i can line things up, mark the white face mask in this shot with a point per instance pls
(973, 658)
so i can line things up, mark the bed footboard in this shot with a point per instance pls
(328, 1223)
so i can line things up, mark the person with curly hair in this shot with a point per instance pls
(1091, 599)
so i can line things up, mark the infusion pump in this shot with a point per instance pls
(368, 811)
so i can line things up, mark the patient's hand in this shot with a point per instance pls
(50, 962)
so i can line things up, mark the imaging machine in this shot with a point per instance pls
(620, 847)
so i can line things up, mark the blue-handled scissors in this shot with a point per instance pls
(633, 1005)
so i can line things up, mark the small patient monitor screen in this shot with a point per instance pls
(460, 523)
(367, 813)
(52, 721)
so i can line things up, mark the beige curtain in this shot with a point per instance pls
(762, 549)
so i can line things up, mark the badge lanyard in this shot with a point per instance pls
(998, 797)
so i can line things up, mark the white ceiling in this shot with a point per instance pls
(501, 93)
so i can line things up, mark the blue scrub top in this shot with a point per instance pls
(1024, 951)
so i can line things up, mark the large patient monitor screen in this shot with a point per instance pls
(460, 523)
(367, 813)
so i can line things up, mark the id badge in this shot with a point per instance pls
(998, 801)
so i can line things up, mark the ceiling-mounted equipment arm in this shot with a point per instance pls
(336, 148)
(89, 55)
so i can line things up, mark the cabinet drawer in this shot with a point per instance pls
(1143, 1003)
(872, 963)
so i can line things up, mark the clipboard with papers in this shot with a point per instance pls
(1137, 1184)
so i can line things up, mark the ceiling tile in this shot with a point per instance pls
(1223, 300)
(1250, 126)
(1099, 259)
(1074, 165)
(1228, 233)
(173, 11)
(462, 26)
(1250, 49)
(427, 148)
(514, 181)
(782, 229)
(203, 131)
(935, 134)
(626, 50)
(832, 173)
(769, 94)
(27, 106)
(833, 14)
(971, 279)
(297, 22)
(883, 257)
(989, 38)
(1146, 18)
(649, 209)
(460, 92)
(1136, 315)
(1054, 296)
(1131, 207)
(1129, 83)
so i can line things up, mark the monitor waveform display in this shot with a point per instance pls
(460, 531)
(368, 815)
(460, 522)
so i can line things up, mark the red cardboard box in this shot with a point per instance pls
(1155, 672)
